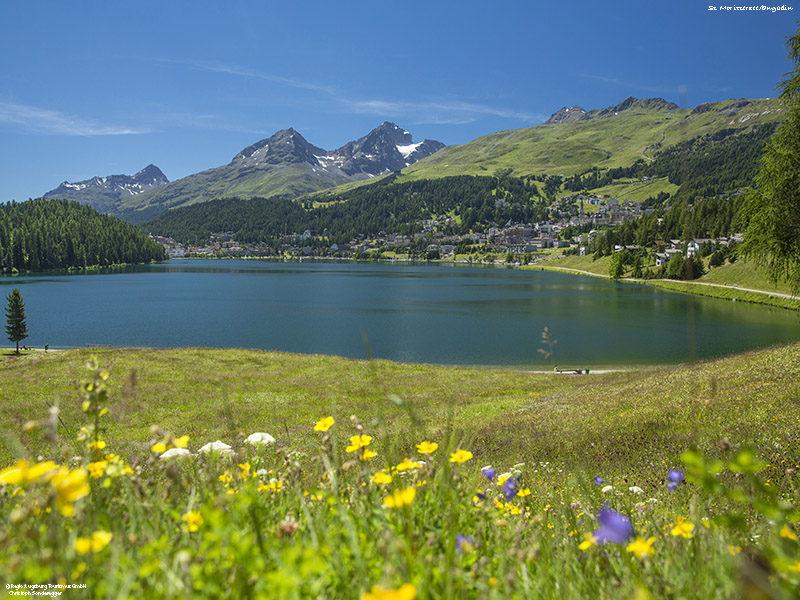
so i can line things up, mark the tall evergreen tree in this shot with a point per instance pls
(772, 237)
(16, 328)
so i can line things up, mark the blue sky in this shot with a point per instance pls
(99, 88)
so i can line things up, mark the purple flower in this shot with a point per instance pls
(464, 542)
(614, 527)
(489, 472)
(598, 481)
(510, 488)
(674, 478)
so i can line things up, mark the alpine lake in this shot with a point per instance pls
(408, 312)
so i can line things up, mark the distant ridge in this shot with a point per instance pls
(576, 113)
(103, 193)
(285, 165)
(574, 140)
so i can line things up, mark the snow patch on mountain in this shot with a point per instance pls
(408, 149)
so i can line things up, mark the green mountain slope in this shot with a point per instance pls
(604, 139)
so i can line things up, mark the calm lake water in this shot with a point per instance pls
(405, 312)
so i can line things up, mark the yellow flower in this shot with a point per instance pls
(245, 467)
(226, 478)
(324, 424)
(69, 486)
(407, 591)
(524, 492)
(382, 478)
(83, 545)
(408, 465)
(795, 566)
(15, 474)
(99, 540)
(274, 485)
(460, 456)
(98, 445)
(42, 470)
(683, 528)
(193, 521)
(181, 442)
(734, 550)
(97, 469)
(159, 448)
(427, 447)
(357, 442)
(368, 454)
(588, 541)
(788, 533)
(641, 547)
(400, 498)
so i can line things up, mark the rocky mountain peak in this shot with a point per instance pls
(150, 174)
(284, 146)
(566, 115)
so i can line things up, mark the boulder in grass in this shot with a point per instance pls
(172, 453)
(218, 446)
(260, 439)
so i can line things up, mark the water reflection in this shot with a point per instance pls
(412, 312)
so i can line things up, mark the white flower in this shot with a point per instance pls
(607, 488)
(260, 438)
(217, 446)
(175, 453)
(636, 489)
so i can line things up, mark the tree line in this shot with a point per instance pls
(707, 165)
(474, 203)
(41, 234)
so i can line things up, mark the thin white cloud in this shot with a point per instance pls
(420, 112)
(437, 111)
(42, 120)
(250, 73)
(632, 86)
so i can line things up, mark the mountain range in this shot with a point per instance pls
(104, 193)
(572, 141)
(284, 165)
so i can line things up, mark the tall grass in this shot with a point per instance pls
(349, 509)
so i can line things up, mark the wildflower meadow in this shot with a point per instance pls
(348, 510)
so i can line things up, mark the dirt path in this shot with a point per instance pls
(645, 281)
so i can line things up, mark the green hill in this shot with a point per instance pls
(603, 139)
(57, 234)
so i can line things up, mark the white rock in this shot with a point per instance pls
(175, 453)
(217, 446)
(260, 438)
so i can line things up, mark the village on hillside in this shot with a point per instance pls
(436, 240)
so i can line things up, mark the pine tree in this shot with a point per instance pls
(16, 328)
(773, 234)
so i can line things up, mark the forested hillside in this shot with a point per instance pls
(56, 234)
(704, 166)
(473, 202)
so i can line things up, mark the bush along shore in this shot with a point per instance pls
(356, 512)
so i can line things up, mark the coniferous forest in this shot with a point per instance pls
(38, 235)
(383, 206)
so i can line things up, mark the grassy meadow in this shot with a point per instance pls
(735, 275)
(388, 480)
